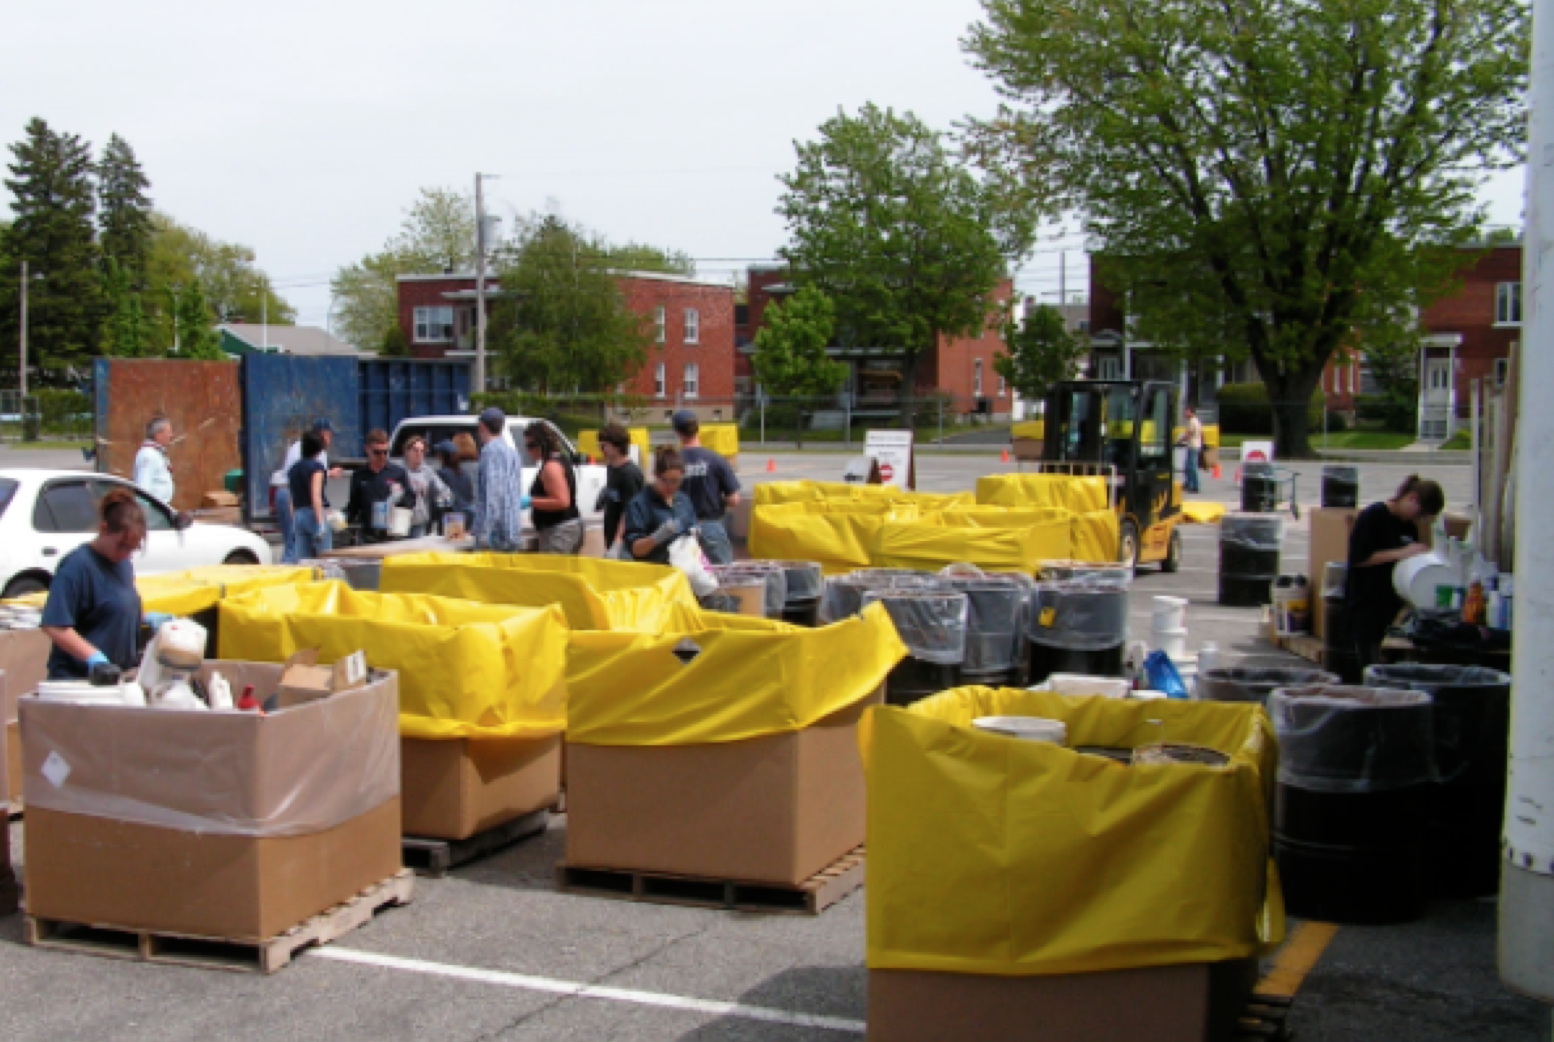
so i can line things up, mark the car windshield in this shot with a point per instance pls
(8, 488)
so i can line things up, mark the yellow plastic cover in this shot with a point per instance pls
(998, 517)
(839, 536)
(1015, 548)
(588, 442)
(723, 679)
(185, 593)
(465, 670)
(1094, 536)
(722, 438)
(1033, 429)
(994, 855)
(1200, 512)
(593, 594)
(1079, 494)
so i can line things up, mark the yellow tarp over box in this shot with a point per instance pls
(722, 438)
(465, 670)
(722, 678)
(588, 442)
(1036, 430)
(993, 855)
(1094, 536)
(1081, 495)
(1013, 548)
(840, 536)
(185, 593)
(593, 594)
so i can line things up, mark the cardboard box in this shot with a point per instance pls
(1027, 449)
(1198, 1002)
(775, 809)
(457, 787)
(229, 825)
(8, 890)
(24, 664)
(1458, 526)
(1330, 531)
(303, 680)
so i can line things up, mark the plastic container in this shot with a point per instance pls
(1170, 613)
(843, 595)
(995, 619)
(1026, 728)
(1340, 486)
(1248, 559)
(1259, 489)
(931, 623)
(1172, 642)
(736, 579)
(454, 525)
(1086, 571)
(1416, 578)
(399, 521)
(1291, 605)
(1079, 684)
(1255, 683)
(739, 593)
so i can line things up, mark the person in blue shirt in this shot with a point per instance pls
(661, 513)
(93, 612)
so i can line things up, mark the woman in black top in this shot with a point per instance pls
(553, 496)
(623, 482)
(1384, 534)
(311, 535)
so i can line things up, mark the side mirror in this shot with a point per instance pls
(183, 521)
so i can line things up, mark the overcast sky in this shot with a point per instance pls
(305, 129)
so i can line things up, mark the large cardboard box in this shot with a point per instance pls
(457, 787)
(228, 825)
(1190, 1003)
(1330, 530)
(8, 890)
(24, 664)
(776, 809)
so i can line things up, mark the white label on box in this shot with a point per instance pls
(55, 769)
(356, 668)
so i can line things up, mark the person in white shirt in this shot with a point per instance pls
(280, 493)
(1192, 438)
(152, 471)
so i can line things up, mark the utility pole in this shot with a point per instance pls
(480, 285)
(1527, 882)
(23, 370)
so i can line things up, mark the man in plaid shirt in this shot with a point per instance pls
(499, 498)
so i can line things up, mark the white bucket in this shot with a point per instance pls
(1148, 696)
(1170, 613)
(1079, 684)
(79, 692)
(1172, 642)
(399, 521)
(1416, 578)
(1027, 728)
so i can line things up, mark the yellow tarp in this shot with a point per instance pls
(593, 594)
(185, 593)
(748, 677)
(1198, 512)
(998, 517)
(840, 536)
(588, 442)
(1015, 548)
(1094, 536)
(722, 438)
(1079, 494)
(465, 670)
(1036, 430)
(993, 855)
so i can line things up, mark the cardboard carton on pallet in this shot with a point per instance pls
(24, 663)
(457, 787)
(221, 825)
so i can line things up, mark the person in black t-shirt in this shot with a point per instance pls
(711, 485)
(376, 489)
(623, 482)
(1384, 534)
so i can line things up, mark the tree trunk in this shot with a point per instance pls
(910, 364)
(1289, 396)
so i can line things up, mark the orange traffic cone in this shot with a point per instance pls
(771, 466)
(1005, 458)
(1216, 472)
(1238, 475)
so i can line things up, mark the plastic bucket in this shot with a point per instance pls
(1170, 613)
(1172, 642)
(1292, 608)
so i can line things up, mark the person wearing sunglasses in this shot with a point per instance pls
(376, 489)
(558, 525)
(661, 513)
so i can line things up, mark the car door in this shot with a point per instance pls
(63, 517)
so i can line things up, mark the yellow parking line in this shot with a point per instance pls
(1296, 959)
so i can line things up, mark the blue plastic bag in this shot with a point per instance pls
(1161, 673)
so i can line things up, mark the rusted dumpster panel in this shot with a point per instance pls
(204, 403)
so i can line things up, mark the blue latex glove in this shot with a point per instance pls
(524, 505)
(97, 658)
(155, 620)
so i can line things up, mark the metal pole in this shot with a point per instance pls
(1527, 884)
(480, 285)
(23, 370)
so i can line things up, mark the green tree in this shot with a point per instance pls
(395, 344)
(565, 325)
(906, 242)
(1042, 352)
(636, 256)
(790, 350)
(1272, 178)
(234, 286)
(197, 336)
(127, 333)
(52, 206)
(124, 212)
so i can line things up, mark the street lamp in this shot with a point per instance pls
(36, 277)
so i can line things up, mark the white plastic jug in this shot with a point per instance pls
(1027, 728)
(399, 521)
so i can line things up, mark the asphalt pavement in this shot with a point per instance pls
(494, 952)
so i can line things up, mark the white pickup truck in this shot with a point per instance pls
(590, 476)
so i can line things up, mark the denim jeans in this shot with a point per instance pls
(1190, 478)
(284, 518)
(715, 542)
(309, 538)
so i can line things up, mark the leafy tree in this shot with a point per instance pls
(53, 204)
(197, 336)
(127, 333)
(565, 325)
(906, 242)
(124, 212)
(395, 344)
(1272, 178)
(636, 256)
(366, 296)
(790, 356)
(232, 282)
(1042, 352)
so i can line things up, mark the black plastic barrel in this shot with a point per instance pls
(1350, 803)
(843, 594)
(1047, 659)
(915, 679)
(995, 618)
(802, 613)
(1340, 486)
(805, 584)
(1010, 677)
(1248, 559)
(1466, 814)
(1255, 684)
(930, 622)
(1259, 489)
(1076, 627)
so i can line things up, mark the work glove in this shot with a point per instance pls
(155, 620)
(95, 659)
(667, 531)
(524, 503)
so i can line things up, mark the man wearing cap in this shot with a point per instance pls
(711, 485)
(499, 498)
(280, 491)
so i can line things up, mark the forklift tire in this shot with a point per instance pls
(1173, 557)
(1128, 544)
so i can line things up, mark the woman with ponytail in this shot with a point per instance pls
(1384, 534)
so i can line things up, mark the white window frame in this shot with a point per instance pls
(1502, 371)
(660, 324)
(976, 378)
(1508, 303)
(692, 326)
(428, 328)
(1003, 386)
(690, 386)
(659, 375)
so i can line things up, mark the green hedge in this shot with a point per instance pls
(65, 412)
(1392, 412)
(1244, 409)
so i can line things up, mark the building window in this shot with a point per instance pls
(692, 380)
(658, 380)
(692, 325)
(658, 324)
(1508, 304)
(433, 325)
(976, 379)
(1502, 371)
(1111, 368)
(1003, 388)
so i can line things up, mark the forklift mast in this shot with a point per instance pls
(1128, 425)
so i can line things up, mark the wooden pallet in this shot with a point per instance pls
(810, 897)
(1265, 1019)
(179, 949)
(435, 857)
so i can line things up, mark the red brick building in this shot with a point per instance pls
(690, 361)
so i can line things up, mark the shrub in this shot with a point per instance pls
(1244, 409)
(1394, 412)
(65, 412)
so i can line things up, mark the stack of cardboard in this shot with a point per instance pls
(24, 663)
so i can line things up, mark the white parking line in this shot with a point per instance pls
(589, 991)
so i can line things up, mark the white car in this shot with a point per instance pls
(591, 477)
(45, 514)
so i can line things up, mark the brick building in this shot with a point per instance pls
(691, 359)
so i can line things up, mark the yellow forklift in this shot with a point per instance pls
(1123, 430)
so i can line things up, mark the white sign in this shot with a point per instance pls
(1256, 452)
(893, 450)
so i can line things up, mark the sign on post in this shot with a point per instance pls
(893, 451)
(1256, 452)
